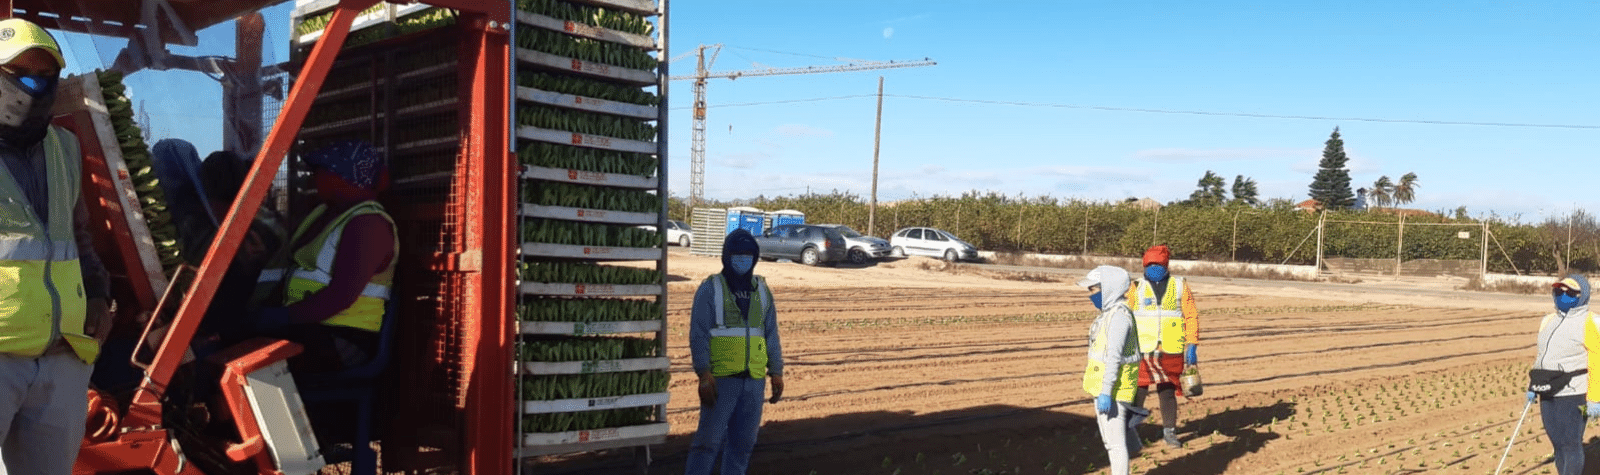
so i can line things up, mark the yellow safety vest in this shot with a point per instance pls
(1127, 371)
(41, 285)
(739, 344)
(313, 266)
(1160, 326)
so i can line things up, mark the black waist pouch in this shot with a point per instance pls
(1548, 382)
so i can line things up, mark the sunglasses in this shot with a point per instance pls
(1570, 292)
(35, 83)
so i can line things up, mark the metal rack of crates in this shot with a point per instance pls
(592, 361)
(585, 354)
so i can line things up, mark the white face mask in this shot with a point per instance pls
(742, 263)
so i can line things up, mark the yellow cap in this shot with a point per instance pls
(18, 36)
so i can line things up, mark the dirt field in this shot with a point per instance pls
(913, 367)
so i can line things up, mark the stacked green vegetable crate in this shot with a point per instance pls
(593, 353)
(592, 366)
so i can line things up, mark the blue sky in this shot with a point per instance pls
(1058, 98)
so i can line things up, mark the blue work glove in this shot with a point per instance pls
(1104, 405)
(1531, 396)
(1189, 357)
(271, 318)
(1593, 409)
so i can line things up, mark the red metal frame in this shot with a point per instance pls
(486, 317)
(241, 360)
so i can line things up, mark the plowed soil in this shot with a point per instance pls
(917, 367)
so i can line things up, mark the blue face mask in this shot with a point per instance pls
(1565, 302)
(1094, 298)
(1155, 272)
(742, 263)
(37, 85)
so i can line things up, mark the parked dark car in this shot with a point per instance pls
(863, 248)
(804, 243)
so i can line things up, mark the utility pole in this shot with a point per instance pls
(877, 139)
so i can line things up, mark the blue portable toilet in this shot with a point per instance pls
(787, 216)
(751, 219)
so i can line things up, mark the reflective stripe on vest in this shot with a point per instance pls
(314, 261)
(740, 345)
(1162, 323)
(41, 285)
(1127, 367)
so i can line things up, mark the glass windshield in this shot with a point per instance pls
(847, 232)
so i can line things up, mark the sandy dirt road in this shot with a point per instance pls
(915, 367)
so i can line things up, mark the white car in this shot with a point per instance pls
(931, 242)
(677, 232)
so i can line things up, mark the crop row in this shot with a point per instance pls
(587, 159)
(584, 386)
(588, 310)
(553, 231)
(594, 16)
(571, 421)
(585, 122)
(586, 273)
(555, 193)
(587, 88)
(586, 49)
(593, 348)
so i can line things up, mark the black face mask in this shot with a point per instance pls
(24, 113)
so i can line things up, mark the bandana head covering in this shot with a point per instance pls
(353, 160)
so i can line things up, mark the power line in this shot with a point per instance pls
(1175, 111)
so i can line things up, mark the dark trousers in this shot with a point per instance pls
(1563, 423)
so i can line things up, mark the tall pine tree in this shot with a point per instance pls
(1331, 186)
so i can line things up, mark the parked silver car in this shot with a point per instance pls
(931, 242)
(862, 248)
(804, 243)
(678, 232)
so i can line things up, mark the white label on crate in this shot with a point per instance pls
(594, 289)
(596, 68)
(580, 100)
(602, 402)
(609, 366)
(591, 213)
(581, 175)
(595, 140)
(582, 29)
(597, 434)
(594, 328)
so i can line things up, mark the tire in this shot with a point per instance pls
(683, 241)
(950, 255)
(859, 257)
(898, 252)
(811, 257)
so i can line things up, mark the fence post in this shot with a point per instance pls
(1400, 245)
(1322, 219)
(1483, 269)
(1086, 230)
(1235, 250)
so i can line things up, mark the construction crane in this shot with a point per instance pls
(697, 146)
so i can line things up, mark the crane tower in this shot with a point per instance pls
(697, 145)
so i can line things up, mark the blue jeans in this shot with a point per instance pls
(728, 427)
(1563, 423)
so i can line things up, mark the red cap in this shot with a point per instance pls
(1157, 254)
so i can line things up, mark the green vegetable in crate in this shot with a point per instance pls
(587, 159)
(587, 273)
(136, 157)
(587, 234)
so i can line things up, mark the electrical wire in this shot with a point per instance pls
(1168, 111)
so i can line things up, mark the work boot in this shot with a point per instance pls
(1170, 435)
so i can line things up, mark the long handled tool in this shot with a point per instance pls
(1513, 436)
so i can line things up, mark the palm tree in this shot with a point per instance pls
(1406, 190)
(1382, 192)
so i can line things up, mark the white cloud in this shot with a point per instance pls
(888, 33)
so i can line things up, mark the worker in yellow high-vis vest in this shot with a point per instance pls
(340, 264)
(53, 288)
(735, 350)
(1112, 369)
(1169, 332)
